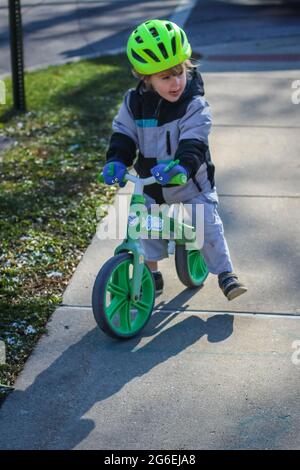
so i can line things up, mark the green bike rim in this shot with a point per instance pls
(124, 316)
(197, 267)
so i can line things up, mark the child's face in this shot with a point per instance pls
(167, 85)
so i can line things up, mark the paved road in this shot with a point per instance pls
(216, 21)
(58, 31)
(238, 35)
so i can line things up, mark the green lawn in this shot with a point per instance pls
(49, 191)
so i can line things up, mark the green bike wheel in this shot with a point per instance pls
(114, 311)
(190, 266)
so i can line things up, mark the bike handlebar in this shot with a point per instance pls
(179, 178)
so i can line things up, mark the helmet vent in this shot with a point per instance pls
(169, 27)
(138, 57)
(182, 37)
(152, 55)
(139, 40)
(154, 32)
(173, 42)
(163, 50)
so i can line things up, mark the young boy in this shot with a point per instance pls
(166, 118)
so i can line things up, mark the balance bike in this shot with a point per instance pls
(124, 290)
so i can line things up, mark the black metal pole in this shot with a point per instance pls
(16, 51)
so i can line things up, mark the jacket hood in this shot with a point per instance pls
(194, 85)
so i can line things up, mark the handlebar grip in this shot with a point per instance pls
(171, 164)
(180, 178)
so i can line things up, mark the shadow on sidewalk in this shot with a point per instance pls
(50, 411)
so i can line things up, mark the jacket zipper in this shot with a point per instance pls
(169, 150)
(157, 109)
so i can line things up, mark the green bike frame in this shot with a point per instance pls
(134, 245)
(182, 233)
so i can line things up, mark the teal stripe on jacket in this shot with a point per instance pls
(146, 122)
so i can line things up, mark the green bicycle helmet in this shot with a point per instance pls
(157, 45)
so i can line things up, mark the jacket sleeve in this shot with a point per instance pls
(123, 142)
(194, 129)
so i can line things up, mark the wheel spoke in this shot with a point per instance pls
(123, 276)
(202, 263)
(192, 261)
(140, 305)
(197, 265)
(125, 320)
(115, 306)
(114, 289)
(145, 277)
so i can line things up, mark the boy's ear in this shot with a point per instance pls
(147, 82)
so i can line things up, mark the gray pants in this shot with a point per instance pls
(214, 250)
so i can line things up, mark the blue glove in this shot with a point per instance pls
(164, 172)
(113, 172)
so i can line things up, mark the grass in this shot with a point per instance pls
(49, 192)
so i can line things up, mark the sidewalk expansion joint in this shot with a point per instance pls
(73, 306)
(235, 313)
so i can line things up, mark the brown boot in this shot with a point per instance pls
(230, 285)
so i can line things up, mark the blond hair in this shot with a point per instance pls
(176, 70)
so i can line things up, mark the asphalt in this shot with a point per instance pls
(56, 32)
(205, 373)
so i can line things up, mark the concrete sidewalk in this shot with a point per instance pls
(192, 381)
(205, 373)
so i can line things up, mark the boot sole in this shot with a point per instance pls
(236, 292)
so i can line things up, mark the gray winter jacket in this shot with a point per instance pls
(162, 131)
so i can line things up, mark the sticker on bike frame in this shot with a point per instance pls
(133, 220)
(152, 222)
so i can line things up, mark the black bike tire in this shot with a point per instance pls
(181, 264)
(98, 296)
